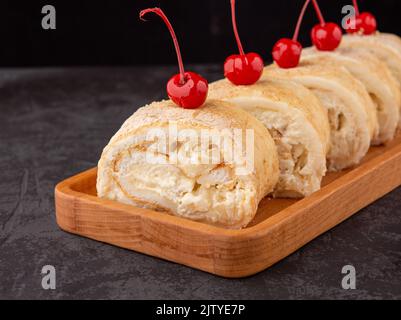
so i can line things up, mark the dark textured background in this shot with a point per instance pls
(54, 124)
(108, 32)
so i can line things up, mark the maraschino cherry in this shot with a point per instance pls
(242, 69)
(187, 89)
(325, 36)
(365, 22)
(287, 52)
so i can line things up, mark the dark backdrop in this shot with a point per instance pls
(108, 32)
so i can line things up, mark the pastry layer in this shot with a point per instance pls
(376, 77)
(352, 115)
(386, 47)
(297, 122)
(188, 177)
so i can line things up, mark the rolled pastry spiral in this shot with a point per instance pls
(385, 46)
(352, 115)
(298, 124)
(188, 178)
(375, 76)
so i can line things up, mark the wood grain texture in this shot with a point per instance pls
(280, 227)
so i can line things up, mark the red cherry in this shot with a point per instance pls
(242, 69)
(287, 53)
(191, 93)
(326, 37)
(186, 89)
(365, 22)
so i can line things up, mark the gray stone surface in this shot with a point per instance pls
(55, 122)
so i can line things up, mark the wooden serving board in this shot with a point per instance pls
(280, 227)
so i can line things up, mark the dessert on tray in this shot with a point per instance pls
(213, 151)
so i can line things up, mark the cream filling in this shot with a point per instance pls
(205, 192)
(393, 64)
(346, 147)
(388, 54)
(300, 173)
(386, 108)
(302, 161)
(387, 115)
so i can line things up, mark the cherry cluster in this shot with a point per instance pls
(326, 36)
(189, 90)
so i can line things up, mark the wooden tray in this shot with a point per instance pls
(280, 227)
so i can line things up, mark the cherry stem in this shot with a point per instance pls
(356, 7)
(234, 21)
(161, 14)
(319, 13)
(299, 22)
